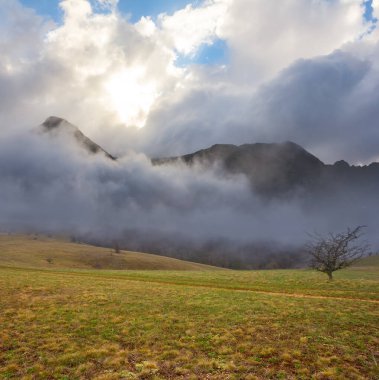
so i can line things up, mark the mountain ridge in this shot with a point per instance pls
(273, 169)
(279, 169)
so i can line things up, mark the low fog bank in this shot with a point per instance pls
(219, 252)
(51, 185)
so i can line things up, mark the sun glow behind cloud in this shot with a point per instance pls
(131, 95)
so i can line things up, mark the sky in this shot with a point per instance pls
(133, 11)
(156, 78)
(170, 77)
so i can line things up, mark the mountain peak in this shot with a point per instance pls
(53, 122)
(54, 125)
(341, 164)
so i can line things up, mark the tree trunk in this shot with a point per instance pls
(330, 275)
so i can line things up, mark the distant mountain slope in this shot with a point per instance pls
(277, 169)
(55, 124)
(42, 252)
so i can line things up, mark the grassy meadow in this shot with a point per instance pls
(105, 324)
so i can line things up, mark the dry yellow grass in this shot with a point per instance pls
(43, 252)
(78, 324)
(91, 324)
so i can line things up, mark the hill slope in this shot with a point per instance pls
(43, 252)
(367, 263)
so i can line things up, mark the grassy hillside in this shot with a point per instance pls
(104, 325)
(42, 252)
(368, 263)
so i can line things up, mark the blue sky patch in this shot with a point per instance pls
(45, 8)
(138, 8)
(369, 11)
(369, 16)
(215, 54)
(134, 8)
(152, 8)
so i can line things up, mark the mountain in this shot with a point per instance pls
(280, 169)
(56, 125)
(273, 169)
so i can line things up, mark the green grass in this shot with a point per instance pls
(42, 252)
(87, 324)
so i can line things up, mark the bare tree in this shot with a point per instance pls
(336, 251)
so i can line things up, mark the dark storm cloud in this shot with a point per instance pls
(318, 103)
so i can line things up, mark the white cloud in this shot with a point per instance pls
(21, 34)
(189, 28)
(265, 37)
(74, 70)
(146, 26)
(375, 6)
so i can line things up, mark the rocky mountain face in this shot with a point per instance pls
(57, 125)
(281, 169)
